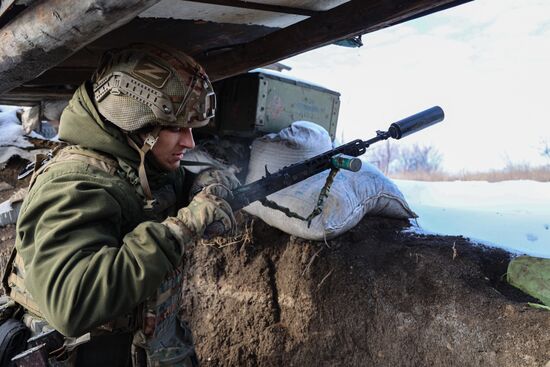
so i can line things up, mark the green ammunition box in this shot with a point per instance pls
(263, 102)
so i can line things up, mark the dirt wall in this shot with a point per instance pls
(373, 297)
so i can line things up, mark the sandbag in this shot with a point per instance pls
(353, 194)
(532, 276)
(217, 153)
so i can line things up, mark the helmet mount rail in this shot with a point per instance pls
(118, 83)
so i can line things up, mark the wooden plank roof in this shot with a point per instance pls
(49, 47)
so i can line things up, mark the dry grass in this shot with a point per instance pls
(243, 235)
(421, 176)
(516, 172)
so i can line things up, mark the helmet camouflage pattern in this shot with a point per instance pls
(144, 85)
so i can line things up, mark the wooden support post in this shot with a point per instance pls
(347, 20)
(5, 5)
(50, 31)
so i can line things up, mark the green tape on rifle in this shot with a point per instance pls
(346, 162)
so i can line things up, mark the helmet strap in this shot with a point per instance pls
(148, 144)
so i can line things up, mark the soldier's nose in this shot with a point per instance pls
(186, 139)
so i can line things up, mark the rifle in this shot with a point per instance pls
(342, 157)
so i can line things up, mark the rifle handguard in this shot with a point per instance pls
(339, 157)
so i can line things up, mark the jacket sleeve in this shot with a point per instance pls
(81, 267)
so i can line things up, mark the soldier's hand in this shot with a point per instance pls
(205, 210)
(216, 182)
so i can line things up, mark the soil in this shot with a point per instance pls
(376, 296)
(8, 176)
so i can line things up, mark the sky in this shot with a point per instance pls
(486, 63)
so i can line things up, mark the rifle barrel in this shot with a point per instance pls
(294, 173)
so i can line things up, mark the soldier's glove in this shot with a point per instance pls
(205, 210)
(216, 182)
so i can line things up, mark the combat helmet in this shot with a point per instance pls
(149, 86)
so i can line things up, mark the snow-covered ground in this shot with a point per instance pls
(13, 140)
(514, 215)
(11, 132)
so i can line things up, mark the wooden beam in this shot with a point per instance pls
(436, 9)
(24, 96)
(347, 20)
(5, 6)
(49, 31)
(260, 6)
(60, 75)
(32, 92)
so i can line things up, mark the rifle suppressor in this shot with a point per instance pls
(416, 122)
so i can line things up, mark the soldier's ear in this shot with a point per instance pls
(143, 132)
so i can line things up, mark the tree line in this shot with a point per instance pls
(391, 158)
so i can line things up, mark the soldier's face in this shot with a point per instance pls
(171, 146)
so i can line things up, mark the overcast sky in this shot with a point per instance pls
(486, 63)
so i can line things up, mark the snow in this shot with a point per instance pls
(13, 140)
(12, 133)
(513, 215)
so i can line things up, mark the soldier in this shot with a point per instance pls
(101, 234)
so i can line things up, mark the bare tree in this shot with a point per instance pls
(545, 149)
(384, 156)
(419, 158)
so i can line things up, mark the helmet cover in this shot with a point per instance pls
(145, 85)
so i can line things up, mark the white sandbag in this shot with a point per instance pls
(217, 153)
(199, 155)
(352, 195)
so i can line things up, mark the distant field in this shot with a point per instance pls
(517, 172)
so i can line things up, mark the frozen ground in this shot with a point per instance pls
(514, 215)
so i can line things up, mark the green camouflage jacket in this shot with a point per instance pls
(91, 253)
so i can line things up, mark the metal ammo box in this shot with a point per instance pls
(262, 102)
